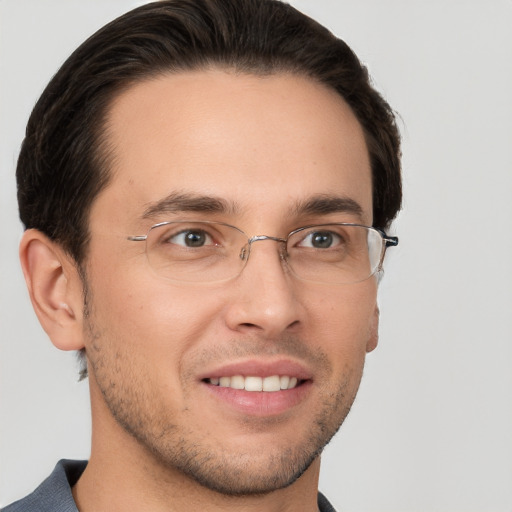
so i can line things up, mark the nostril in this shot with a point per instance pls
(293, 324)
(249, 325)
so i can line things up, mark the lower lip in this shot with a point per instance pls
(261, 403)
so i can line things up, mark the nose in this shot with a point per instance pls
(265, 297)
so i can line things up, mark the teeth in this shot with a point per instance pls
(237, 382)
(268, 384)
(272, 383)
(253, 384)
(225, 382)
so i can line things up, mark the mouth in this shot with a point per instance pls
(254, 383)
(259, 388)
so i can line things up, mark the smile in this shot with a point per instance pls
(252, 383)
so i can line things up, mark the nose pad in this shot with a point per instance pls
(244, 252)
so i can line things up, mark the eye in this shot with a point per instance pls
(191, 238)
(320, 240)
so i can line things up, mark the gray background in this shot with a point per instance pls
(431, 429)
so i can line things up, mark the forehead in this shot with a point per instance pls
(261, 143)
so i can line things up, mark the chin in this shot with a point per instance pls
(244, 475)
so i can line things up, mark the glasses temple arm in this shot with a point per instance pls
(391, 241)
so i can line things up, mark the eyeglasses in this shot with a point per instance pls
(204, 251)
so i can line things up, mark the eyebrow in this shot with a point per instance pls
(326, 204)
(177, 202)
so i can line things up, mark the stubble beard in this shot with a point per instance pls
(173, 445)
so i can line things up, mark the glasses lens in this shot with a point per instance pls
(335, 253)
(195, 251)
(213, 251)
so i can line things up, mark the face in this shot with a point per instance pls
(249, 151)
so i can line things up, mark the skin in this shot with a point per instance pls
(161, 439)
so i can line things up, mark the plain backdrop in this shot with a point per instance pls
(431, 429)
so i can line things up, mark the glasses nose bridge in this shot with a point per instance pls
(257, 238)
(246, 250)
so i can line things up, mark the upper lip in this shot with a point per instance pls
(259, 368)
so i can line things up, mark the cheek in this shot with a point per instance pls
(151, 319)
(344, 319)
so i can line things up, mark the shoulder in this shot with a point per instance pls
(54, 494)
(323, 504)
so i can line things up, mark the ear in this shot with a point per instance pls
(373, 337)
(55, 289)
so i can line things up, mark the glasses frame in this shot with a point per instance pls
(389, 241)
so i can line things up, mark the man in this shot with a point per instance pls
(206, 187)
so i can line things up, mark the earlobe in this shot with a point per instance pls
(373, 337)
(54, 287)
